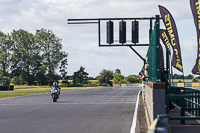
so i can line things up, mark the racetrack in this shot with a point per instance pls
(93, 110)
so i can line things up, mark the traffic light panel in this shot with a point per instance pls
(135, 31)
(122, 31)
(110, 34)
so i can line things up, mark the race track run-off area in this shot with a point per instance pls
(92, 110)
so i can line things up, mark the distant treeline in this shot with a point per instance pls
(176, 76)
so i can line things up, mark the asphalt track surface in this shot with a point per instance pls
(93, 110)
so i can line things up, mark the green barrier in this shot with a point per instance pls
(174, 84)
(105, 85)
(188, 99)
(188, 84)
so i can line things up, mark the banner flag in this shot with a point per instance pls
(165, 40)
(196, 14)
(173, 37)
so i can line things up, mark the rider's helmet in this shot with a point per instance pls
(54, 84)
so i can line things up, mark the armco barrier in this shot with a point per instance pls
(186, 84)
(105, 85)
(195, 85)
(132, 85)
(123, 85)
(6, 87)
(116, 85)
(174, 84)
(180, 84)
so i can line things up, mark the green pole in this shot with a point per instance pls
(150, 30)
(169, 70)
(157, 28)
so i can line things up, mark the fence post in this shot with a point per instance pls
(182, 109)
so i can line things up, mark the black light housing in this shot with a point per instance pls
(122, 32)
(135, 31)
(110, 34)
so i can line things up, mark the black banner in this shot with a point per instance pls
(173, 37)
(165, 40)
(196, 14)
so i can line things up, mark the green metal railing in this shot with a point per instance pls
(188, 99)
(154, 53)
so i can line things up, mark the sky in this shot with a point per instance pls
(81, 41)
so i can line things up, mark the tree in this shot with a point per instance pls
(51, 50)
(118, 78)
(39, 73)
(132, 79)
(195, 80)
(17, 80)
(80, 77)
(63, 67)
(179, 80)
(24, 53)
(5, 53)
(117, 72)
(105, 76)
(189, 76)
(176, 76)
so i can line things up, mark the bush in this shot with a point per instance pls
(132, 79)
(118, 79)
(179, 80)
(65, 82)
(195, 80)
(91, 85)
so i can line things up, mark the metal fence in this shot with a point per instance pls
(188, 99)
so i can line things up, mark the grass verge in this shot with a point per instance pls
(30, 91)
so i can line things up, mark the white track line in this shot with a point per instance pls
(135, 115)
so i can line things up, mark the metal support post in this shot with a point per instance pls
(157, 28)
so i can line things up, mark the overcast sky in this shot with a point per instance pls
(81, 41)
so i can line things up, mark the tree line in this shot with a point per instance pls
(104, 77)
(189, 76)
(26, 57)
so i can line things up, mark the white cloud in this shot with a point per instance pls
(81, 41)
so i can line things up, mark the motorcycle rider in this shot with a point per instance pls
(55, 85)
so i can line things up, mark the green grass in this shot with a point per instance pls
(30, 91)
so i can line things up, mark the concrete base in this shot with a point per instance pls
(154, 100)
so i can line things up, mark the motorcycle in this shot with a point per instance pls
(55, 93)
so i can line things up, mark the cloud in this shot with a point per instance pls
(81, 41)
